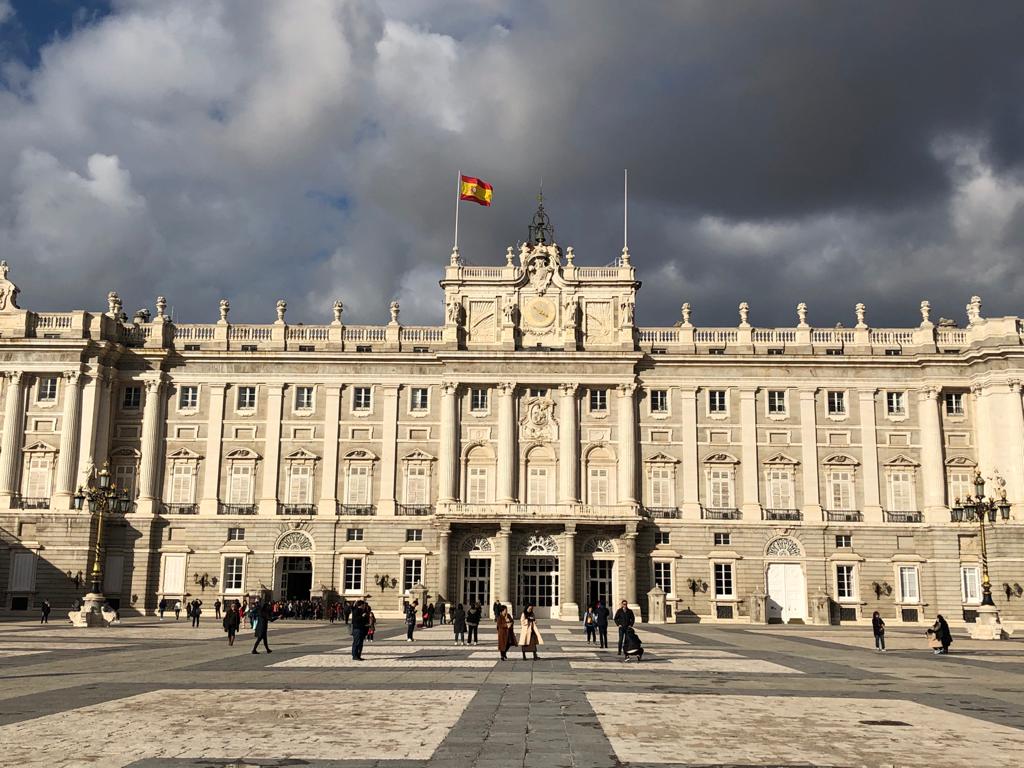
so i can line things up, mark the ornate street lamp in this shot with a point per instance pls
(102, 497)
(976, 509)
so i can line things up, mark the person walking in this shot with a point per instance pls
(371, 627)
(459, 624)
(410, 620)
(441, 610)
(590, 625)
(266, 615)
(177, 609)
(428, 616)
(624, 617)
(942, 634)
(529, 635)
(473, 616)
(496, 610)
(161, 607)
(878, 630)
(232, 620)
(360, 626)
(197, 611)
(601, 614)
(216, 609)
(44, 612)
(506, 635)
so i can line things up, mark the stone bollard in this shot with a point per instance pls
(656, 606)
(758, 606)
(821, 607)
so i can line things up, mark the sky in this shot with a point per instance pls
(778, 152)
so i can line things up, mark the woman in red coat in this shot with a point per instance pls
(506, 635)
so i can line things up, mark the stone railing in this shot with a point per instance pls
(250, 332)
(308, 332)
(597, 273)
(424, 333)
(193, 332)
(486, 272)
(539, 511)
(365, 333)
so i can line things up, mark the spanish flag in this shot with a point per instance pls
(475, 190)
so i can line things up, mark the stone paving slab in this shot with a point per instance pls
(392, 662)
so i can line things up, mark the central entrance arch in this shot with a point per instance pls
(785, 585)
(537, 576)
(293, 566)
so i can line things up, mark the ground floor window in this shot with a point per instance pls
(232, 574)
(353, 574)
(663, 575)
(723, 580)
(970, 584)
(412, 573)
(846, 589)
(908, 584)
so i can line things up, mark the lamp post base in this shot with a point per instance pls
(92, 613)
(987, 626)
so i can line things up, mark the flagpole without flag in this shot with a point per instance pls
(625, 208)
(458, 193)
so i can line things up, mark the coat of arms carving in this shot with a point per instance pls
(538, 419)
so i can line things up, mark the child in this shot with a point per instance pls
(631, 645)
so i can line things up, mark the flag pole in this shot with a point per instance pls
(625, 208)
(458, 192)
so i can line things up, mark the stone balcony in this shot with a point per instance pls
(553, 512)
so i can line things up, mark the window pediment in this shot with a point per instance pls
(126, 453)
(661, 458)
(840, 459)
(242, 454)
(418, 455)
(901, 461)
(39, 447)
(301, 455)
(781, 458)
(721, 458)
(360, 454)
(960, 461)
(184, 454)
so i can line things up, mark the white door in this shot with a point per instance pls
(787, 592)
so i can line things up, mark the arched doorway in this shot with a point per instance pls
(475, 570)
(537, 576)
(599, 571)
(293, 566)
(785, 584)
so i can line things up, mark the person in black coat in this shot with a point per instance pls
(624, 618)
(232, 620)
(263, 626)
(360, 619)
(878, 629)
(459, 624)
(601, 614)
(44, 610)
(942, 634)
(473, 616)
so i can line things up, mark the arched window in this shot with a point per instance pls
(600, 476)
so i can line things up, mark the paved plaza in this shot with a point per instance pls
(150, 693)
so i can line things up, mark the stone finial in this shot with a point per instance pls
(161, 307)
(113, 304)
(510, 257)
(225, 307)
(744, 314)
(625, 256)
(337, 308)
(974, 310)
(926, 313)
(3, 269)
(801, 315)
(141, 316)
(685, 309)
(8, 290)
(394, 309)
(570, 256)
(282, 307)
(860, 310)
(454, 260)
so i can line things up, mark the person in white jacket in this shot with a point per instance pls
(529, 637)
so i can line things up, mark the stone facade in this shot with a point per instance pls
(538, 446)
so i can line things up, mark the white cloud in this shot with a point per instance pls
(6, 11)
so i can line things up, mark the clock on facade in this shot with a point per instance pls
(540, 312)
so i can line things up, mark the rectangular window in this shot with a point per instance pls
(232, 574)
(954, 404)
(901, 492)
(412, 573)
(240, 478)
(776, 351)
(895, 404)
(188, 398)
(357, 490)
(961, 485)
(361, 399)
(536, 392)
(37, 482)
(908, 584)
(663, 575)
(662, 537)
(661, 487)
(236, 534)
(46, 392)
(478, 399)
(720, 488)
(414, 534)
(598, 400)
(300, 484)
(844, 541)
(836, 403)
(124, 478)
(416, 492)
(246, 398)
(353, 574)
(476, 485)
(717, 402)
(131, 400)
(723, 580)
(659, 401)
(893, 352)
(353, 534)
(303, 398)
(182, 485)
(597, 486)
(845, 587)
(841, 490)
(780, 489)
(777, 401)
(537, 485)
(970, 584)
(723, 539)
(419, 399)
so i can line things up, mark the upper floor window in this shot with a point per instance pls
(662, 537)
(354, 534)
(777, 402)
(661, 487)
(534, 392)
(844, 541)
(246, 398)
(961, 485)
(236, 534)
(841, 490)
(124, 478)
(717, 402)
(723, 539)
(477, 483)
(132, 399)
(895, 404)
(537, 485)
(417, 491)
(836, 403)
(478, 399)
(780, 489)
(901, 492)
(598, 400)
(419, 399)
(720, 488)
(414, 534)
(361, 399)
(300, 484)
(597, 485)
(46, 390)
(954, 404)
(303, 398)
(659, 401)
(182, 484)
(357, 490)
(188, 397)
(240, 483)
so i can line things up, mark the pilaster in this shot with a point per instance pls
(751, 505)
(627, 443)
(569, 460)
(91, 393)
(152, 447)
(506, 443)
(389, 450)
(448, 460)
(691, 465)
(504, 564)
(211, 476)
(809, 455)
(10, 448)
(329, 482)
(570, 609)
(67, 458)
(872, 506)
(627, 562)
(933, 473)
(443, 546)
(272, 450)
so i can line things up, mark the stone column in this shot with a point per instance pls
(10, 449)
(503, 565)
(570, 608)
(809, 455)
(506, 493)
(691, 463)
(215, 427)
(107, 408)
(443, 540)
(272, 450)
(569, 444)
(627, 561)
(151, 463)
(1013, 419)
(627, 443)
(448, 460)
(329, 483)
(933, 473)
(67, 458)
(389, 451)
(91, 394)
(749, 466)
(872, 506)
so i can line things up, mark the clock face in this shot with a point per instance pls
(540, 312)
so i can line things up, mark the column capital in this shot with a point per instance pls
(504, 529)
(506, 388)
(568, 389)
(925, 394)
(570, 529)
(444, 530)
(276, 389)
(808, 393)
(152, 386)
(749, 392)
(72, 377)
(626, 388)
(868, 393)
(688, 392)
(14, 377)
(449, 388)
(1014, 385)
(218, 388)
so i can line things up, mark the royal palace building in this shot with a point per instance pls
(536, 447)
